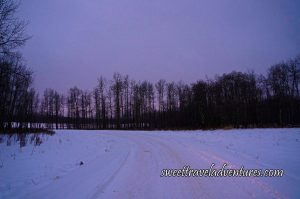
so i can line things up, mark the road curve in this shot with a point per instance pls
(131, 166)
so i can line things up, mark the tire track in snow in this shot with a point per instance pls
(208, 156)
(171, 157)
(138, 182)
(103, 186)
(171, 152)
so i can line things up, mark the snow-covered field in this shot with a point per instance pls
(128, 164)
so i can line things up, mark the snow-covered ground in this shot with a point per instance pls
(128, 164)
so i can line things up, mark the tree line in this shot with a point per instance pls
(235, 99)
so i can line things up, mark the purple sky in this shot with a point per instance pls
(76, 41)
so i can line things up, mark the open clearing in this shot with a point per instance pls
(128, 164)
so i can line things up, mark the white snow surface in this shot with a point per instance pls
(128, 164)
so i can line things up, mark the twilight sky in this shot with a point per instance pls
(76, 41)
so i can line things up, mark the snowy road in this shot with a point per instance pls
(124, 164)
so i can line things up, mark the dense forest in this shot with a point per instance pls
(236, 99)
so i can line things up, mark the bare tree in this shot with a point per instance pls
(74, 106)
(117, 90)
(12, 29)
(15, 81)
(160, 88)
(294, 69)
